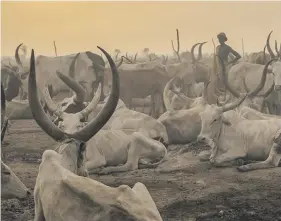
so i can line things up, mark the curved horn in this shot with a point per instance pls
(17, 57)
(225, 79)
(3, 104)
(264, 55)
(234, 104)
(165, 94)
(72, 66)
(92, 105)
(97, 123)
(192, 52)
(268, 46)
(183, 97)
(205, 92)
(276, 47)
(52, 107)
(262, 81)
(37, 110)
(268, 92)
(80, 92)
(200, 51)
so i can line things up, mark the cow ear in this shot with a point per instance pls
(24, 75)
(226, 121)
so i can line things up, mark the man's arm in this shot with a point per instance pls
(236, 54)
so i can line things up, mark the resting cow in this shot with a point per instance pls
(254, 99)
(60, 193)
(233, 137)
(183, 126)
(11, 186)
(110, 148)
(251, 73)
(133, 121)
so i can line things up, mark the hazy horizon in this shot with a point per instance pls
(132, 26)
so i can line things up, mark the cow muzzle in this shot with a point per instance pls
(201, 139)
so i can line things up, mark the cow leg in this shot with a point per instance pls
(95, 164)
(39, 215)
(204, 155)
(273, 160)
(228, 159)
(139, 146)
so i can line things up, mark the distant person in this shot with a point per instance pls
(223, 50)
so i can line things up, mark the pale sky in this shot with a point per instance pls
(132, 26)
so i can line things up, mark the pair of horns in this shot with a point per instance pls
(92, 127)
(199, 51)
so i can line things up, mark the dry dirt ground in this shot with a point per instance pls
(183, 188)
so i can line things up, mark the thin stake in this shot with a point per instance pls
(55, 48)
(243, 48)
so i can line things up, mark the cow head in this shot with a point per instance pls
(16, 76)
(71, 134)
(75, 103)
(91, 128)
(74, 121)
(276, 70)
(11, 186)
(212, 120)
(200, 69)
(276, 66)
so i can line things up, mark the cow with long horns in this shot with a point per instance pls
(249, 74)
(232, 137)
(58, 181)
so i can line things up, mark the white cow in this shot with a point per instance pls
(233, 137)
(251, 73)
(58, 181)
(183, 126)
(133, 121)
(118, 152)
(11, 186)
(87, 71)
(111, 148)
(254, 98)
(176, 100)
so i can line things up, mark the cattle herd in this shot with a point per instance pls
(86, 104)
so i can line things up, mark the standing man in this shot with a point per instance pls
(223, 51)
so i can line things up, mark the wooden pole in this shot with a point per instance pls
(243, 48)
(55, 48)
